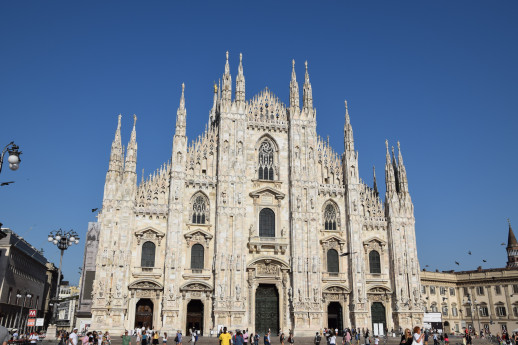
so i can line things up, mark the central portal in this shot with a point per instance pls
(266, 309)
(379, 321)
(195, 316)
(334, 316)
(144, 313)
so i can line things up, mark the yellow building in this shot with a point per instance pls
(482, 299)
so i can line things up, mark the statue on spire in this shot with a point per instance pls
(307, 99)
(240, 83)
(294, 88)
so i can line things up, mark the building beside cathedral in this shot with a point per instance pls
(257, 223)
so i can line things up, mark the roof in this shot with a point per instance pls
(19, 243)
(511, 239)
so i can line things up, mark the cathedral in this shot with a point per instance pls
(255, 224)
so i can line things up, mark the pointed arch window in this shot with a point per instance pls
(266, 223)
(200, 209)
(266, 163)
(330, 218)
(374, 262)
(332, 261)
(148, 254)
(197, 257)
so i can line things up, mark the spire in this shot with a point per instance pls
(389, 175)
(181, 114)
(375, 184)
(227, 84)
(511, 239)
(402, 178)
(395, 169)
(307, 99)
(512, 248)
(240, 82)
(348, 132)
(116, 151)
(131, 152)
(294, 88)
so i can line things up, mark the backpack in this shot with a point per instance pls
(176, 338)
(265, 338)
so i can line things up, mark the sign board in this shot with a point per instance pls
(31, 322)
(32, 312)
(40, 322)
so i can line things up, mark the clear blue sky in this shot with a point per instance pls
(439, 76)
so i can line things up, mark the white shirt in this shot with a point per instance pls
(73, 338)
(34, 338)
(332, 340)
(416, 338)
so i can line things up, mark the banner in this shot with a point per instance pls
(31, 322)
(39, 322)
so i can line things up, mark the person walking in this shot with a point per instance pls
(318, 338)
(193, 338)
(406, 338)
(224, 337)
(126, 339)
(418, 337)
(332, 338)
(256, 339)
(72, 338)
(164, 339)
(291, 339)
(281, 338)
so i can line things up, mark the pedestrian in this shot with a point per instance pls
(406, 338)
(164, 339)
(4, 333)
(291, 339)
(193, 337)
(281, 338)
(376, 340)
(245, 337)
(418, 337)
(155, 338)
(33, 338)
(425, 338)
(446, 339)
(139, 336)
(256, 339)
(72, 339)
(238, 339)
(317, 339)
(126, 339)
(332, 339)
(85, 340)
(144, 338)
(224, 337)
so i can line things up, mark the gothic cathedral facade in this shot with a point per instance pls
(258, 223)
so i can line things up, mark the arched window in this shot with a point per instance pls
(330, 217)
(374, 262)
(197, 257)
(200, 209)
(266, 161)
(148, 255)
(332, 261)
(266, 223)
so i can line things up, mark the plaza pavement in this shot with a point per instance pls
(454, 340)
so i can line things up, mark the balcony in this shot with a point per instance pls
(147, 272)
(334, 276)
(277, 245)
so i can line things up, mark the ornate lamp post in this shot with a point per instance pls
(14, 156)
(62, 240)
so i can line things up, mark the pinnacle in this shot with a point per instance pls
(511, 239)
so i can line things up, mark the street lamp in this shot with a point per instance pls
(62, 240)
(20, 322)
(14, 156)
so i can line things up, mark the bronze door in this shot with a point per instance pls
(195, 316)
(144, 313)
(266, 309)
